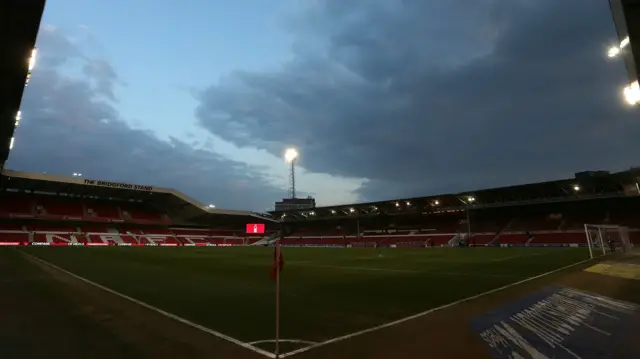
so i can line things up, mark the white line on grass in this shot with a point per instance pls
(390, 324)
(298, 341)
(157, 310)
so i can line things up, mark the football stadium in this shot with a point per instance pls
(100, 269)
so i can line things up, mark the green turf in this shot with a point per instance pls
(326, 292)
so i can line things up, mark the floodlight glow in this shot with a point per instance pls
(312, 213)
(290, 155)
(471, 199)
(408, 203)
(13, 140)
(436, 202)
(613, 51)
(632, 93)
(333, 211)
(18, 117)
(397, 204)
(77, 174)
(32, 59)
(624, 42)
(212, 206)
(576, 188)
(351, 210)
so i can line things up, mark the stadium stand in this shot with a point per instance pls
(48, 210)
(41, 209)
(541, 214)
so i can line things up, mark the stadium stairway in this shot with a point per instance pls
(496, 239)
(267, 240)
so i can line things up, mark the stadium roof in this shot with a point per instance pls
(584, 186)
(19, 24)
(180, 207)
(626, 16)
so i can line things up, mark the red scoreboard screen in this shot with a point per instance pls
(255, 228)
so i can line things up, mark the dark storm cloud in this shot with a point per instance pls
(71, 125)
(424, 97)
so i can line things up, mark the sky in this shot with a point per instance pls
(383, 99)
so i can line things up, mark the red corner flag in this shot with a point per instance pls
(278, 260)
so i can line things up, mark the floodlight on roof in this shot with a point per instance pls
(632, 93)
(613, 51)
(616, 50)
(32, 59)
(576, 187)
(624, 42)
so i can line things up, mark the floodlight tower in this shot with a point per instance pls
(290, 156)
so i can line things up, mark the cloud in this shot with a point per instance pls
(70, 124)
(424, 97)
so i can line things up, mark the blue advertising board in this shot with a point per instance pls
(561, 323)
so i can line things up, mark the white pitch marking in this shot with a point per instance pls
(390, 324)
(284, 340)
(157, 310)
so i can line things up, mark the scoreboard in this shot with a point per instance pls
(255, 228)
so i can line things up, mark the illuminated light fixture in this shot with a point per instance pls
(613, 51)
(290, 155)
(616, 50)
(333, 211)
(18, 117)
(76, 174)
(408, 203)
(13, 140)
(312, 213)
(576, 188)
(436, 202)
(351, 210)
(471, 199)
(397, 204)
(624, 42)
(32, 59)
(632, 93)
(212, 206)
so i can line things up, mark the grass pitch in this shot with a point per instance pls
(325, 292)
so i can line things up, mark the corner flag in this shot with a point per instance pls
(278, 261)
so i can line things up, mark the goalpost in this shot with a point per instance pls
(603, 239)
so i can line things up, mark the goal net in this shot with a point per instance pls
(605, 239)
